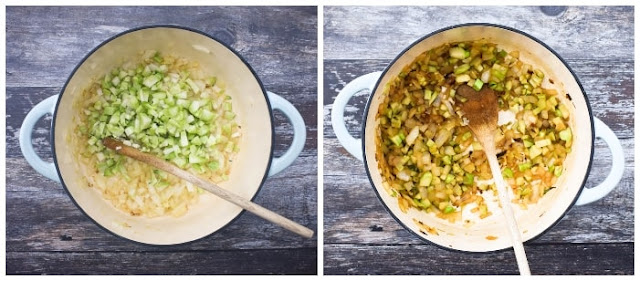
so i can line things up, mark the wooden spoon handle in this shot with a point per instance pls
(501, 185)
(229, 196)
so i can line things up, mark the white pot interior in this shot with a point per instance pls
(473, 236)
(249, 103)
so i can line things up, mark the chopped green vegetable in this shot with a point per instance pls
(458, 53)
(477, 85)
(440, 161)
(468, 179)
(507, 173)
(397, 139)
(167, 113)
(449, 178)
(534, 151)
(524, 166)
(557, 171)
(565, 134)
(449, 209)
(426, 179)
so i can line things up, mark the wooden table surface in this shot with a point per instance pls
(47, 234)
(360, 237)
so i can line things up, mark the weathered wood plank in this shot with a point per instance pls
(45, 43)
(607, 82)
(350, 32)
(347, 220)
(41, 217)
(549, 259)
(46, 233)
(279, 261)
(359, 40)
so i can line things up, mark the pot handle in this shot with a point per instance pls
(299, 133)
(351, 144)
(605, 133)
(47, 169)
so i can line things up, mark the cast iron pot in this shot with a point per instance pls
(550, 208)
(252, 104)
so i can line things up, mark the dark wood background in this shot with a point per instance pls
(47, 234)
(360, 237)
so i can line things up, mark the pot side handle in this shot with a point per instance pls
(47, 169)
(351, 144)
(605, 133)
(299, 133)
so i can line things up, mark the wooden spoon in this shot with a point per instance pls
(229, 196)
(481, 109)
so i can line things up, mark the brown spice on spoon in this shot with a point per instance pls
(481, 110)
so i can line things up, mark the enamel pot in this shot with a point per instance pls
(251, 102)
(491, 233)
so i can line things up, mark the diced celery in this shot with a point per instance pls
(425, 179)
(196, 159)
(446, 159)
(458, 53)
(564, 110)
(180, 162)
(507, 173)
(557, 171)
(468, 179)
(543, 143)
(151, 80)
(565, 134)
(183, 139)
(449, 209)
(477, 85)
(466, 136)
(463, 78)
(427, 94)
(534, 151)
(461, 69)
(193, 86)
(524, 166)
(450, 178)
(527, 143)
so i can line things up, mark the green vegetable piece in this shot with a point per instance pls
(449, 209)
(425, 179)
(157, 58)
(557, 171)
(150, 81)
(524, 166)
(212, 81)
(477, 85)
(458, 53)
(466, 136)
(213, 165)
(462, 69)
(534, 151)
(196, 159)
(507, 173)
(468, 179)
(527, 143)
(427, 94)
(180, 162)
(423, 203)
(450, 178)
(183, 139)
(193, 86)
(206, 115)
(397, 139)
(565, 134)
(446, 159)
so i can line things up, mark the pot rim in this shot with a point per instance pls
(377, 84)
(75, 69)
